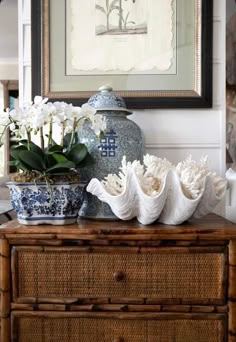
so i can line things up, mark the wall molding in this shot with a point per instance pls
(9, 61)
(217, 18)
(27, 63)
(174, 146)
(26, 22)
(217, 61)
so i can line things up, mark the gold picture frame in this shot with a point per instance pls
(190, 86)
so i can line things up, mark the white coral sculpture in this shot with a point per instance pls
(193, 174)
(150, 175)
(115, 184)
(157, 189)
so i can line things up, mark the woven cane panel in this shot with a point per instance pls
(160, 275)
(109, 330)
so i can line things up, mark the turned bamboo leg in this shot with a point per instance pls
(232, 292)
(4, 290)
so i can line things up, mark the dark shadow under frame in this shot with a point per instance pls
(203, 101)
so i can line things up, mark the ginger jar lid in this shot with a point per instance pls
(107, 100)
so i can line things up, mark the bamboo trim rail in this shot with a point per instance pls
(123, 315)
(5, 291)
(121, 308)
(232, 292)
(211, 228)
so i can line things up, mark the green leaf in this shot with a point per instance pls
(87, 161)
(77, 153)
(67, 139)
(19, 165)
(23, 141)
(55, 148)
(50, 161)
(60, 158)
(13, 162)
(32, 160)
(14, 152)
(76, 138)
(33, 147)
(64, 165)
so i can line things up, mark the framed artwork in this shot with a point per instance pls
(154, 53)
(231, 43)
(230, 82)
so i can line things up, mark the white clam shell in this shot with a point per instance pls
(169, 206)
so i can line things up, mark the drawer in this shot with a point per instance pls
(76, 327)
(190, 275)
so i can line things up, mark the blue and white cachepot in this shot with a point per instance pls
(42, 203)
(122, 137)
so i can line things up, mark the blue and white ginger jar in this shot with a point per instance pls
(122, 137)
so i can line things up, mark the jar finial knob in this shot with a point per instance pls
(105, 88)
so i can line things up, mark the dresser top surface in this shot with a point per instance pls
(210, 227)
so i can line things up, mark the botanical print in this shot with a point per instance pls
(121, 17)
(121, 37)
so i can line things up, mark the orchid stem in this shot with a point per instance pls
(50, 134)
(62, 134)
(28, 140)
(41, 138)
(73, 134)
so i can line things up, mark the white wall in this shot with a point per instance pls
(8, 40)
(173, 134)
(24, 50)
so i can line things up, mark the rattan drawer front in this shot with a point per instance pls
(155, 274)
(65, 328)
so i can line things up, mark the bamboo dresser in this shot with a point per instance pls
(118, 282)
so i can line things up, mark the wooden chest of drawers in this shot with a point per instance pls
(118, 282)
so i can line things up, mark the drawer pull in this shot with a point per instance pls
(119, 276)
(119, 339)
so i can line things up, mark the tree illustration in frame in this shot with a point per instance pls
(119, 19)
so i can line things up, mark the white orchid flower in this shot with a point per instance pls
(60, 114)
(98, 124)
(37, 122)
(12, 127)
(73, 113)
(88, 111)
(50, 108)
(39, 100)
(69, 129)
(76, 113)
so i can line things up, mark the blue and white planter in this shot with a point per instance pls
(41, 203)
